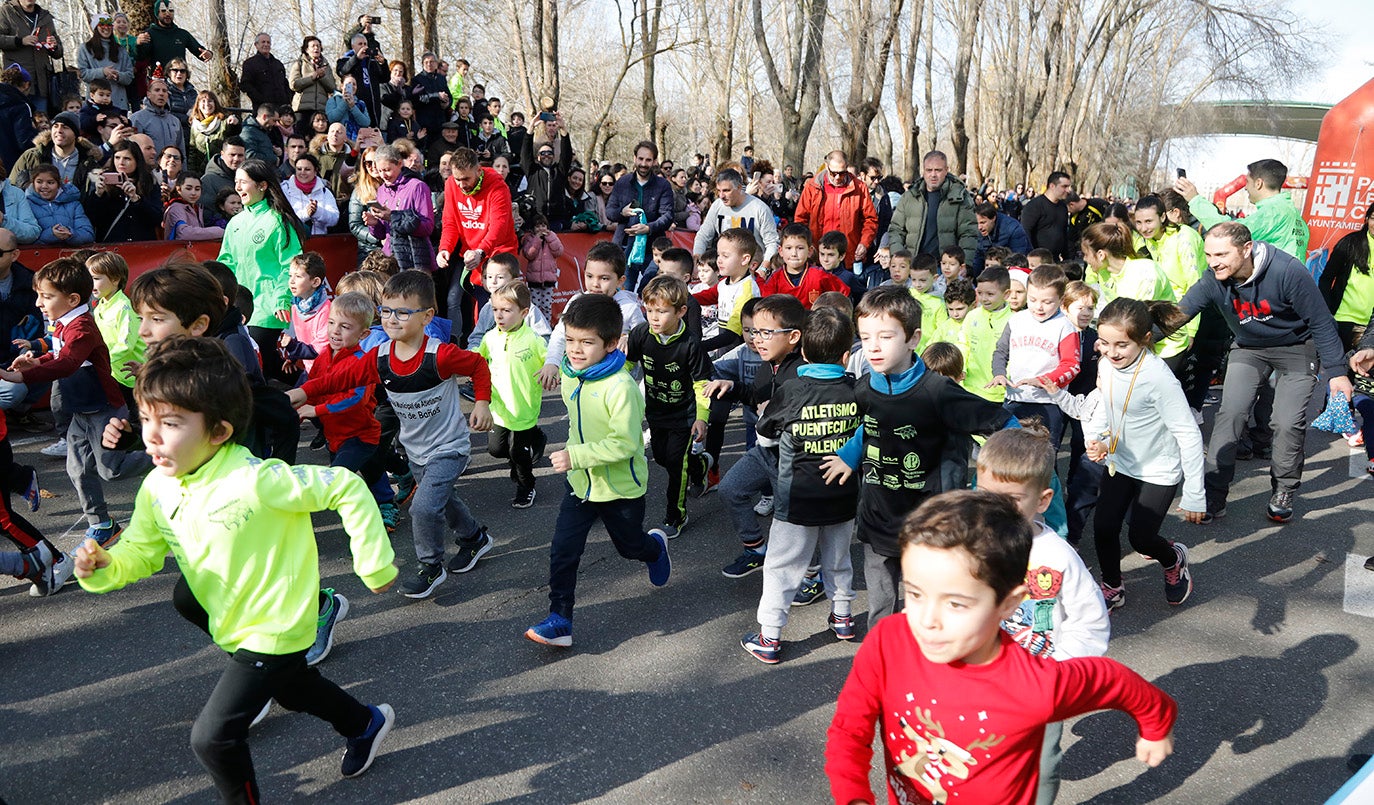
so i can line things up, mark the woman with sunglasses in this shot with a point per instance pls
(605, 181)
(365, 184)
(102, 57)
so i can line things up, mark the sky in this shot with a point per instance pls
(1212, 161)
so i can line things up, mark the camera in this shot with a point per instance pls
(375, 20)
(547, 117)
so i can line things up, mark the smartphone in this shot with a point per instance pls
(1182, 173)
(111, 177)
(376, 20)
(547, 117)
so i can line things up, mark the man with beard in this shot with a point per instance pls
(643, 189)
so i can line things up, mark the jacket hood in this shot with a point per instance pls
(218, 168)
(148, 105)
(66, 194)
(88, 149)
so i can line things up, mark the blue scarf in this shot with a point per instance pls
(307, 306)
(607, 366)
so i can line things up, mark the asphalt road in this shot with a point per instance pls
(656, 702)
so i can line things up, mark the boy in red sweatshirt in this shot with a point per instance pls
(798, 277)
(962, 708)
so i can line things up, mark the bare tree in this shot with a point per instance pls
(869, 27)
(796, 81)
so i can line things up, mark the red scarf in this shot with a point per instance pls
(306, 189)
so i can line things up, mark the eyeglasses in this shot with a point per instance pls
(172, 157)
(753, 332)
(545, 153)
(4, 252)
(401, 314)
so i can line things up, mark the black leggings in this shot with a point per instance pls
(1147, 504)
(14, 479)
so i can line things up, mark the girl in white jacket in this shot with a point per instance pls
(1145, 434)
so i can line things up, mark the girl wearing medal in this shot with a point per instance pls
(1149, 442)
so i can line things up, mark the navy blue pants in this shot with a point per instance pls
(624, 521)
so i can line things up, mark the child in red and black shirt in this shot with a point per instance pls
(962, 708)
(799, 278)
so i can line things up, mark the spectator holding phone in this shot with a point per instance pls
(125, 205)
(369, 73)
(402, 216)
(165, 40)
(312, 82)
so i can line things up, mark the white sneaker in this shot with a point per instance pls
(764, 508)
(57, 449)
(1197, 416)
(55, 574)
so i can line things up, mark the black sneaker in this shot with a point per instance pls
(812, 589)
(1178, 580)
(468, 554)
(319, 441)
(1211, 517)
(361, 751)
(1281, 506)
(468, 392)
(424, 580)
(744, 564)
(524, 498)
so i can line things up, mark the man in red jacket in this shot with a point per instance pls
(478, 223)
(835, 200)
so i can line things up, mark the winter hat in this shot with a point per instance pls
(68, 119)
(1021, 275)
(98, 19)
(160, 5)
(23, 74)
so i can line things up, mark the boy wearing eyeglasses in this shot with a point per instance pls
(422, 377)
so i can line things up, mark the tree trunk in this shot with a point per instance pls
(548, 50)
(407, 9)
(650, 17)
(968, 30)
(222, 78)
(798, 93)
(429, 24)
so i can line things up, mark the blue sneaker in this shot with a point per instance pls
(764, 649)
(362, 750)
(811, 590)
(335, 609)
(555, 630)
(662, 567)
(391, 515)
(405, 488)
(841, 625)
(31, 492)
(750, 561)
(105, 535)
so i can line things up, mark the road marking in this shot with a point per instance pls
(1359, 587)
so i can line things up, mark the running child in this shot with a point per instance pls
(1063, 615)
(737, 252)
(808, 417)
(924, 270)
(240, 530)
(603, 461)
(502, 269)
(676, 370)
(1145, 435)
(959, 298)
(514, 353)
(799, 277)
(1020, 280)
(114, 315)
(603, 274)
(1038, 343)
(309, 311)
(899, 272)
(953, 266)
(830, 252)
(738, 366)
(983, 329)
(421, 376)
(961, 709)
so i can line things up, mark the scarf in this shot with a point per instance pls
(306, 189)
(307, 306)
(607, 366)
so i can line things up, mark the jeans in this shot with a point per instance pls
(1295, 379)
(1148, 504)
(624, 521)
(754, 474)
(785, 565)
(1084, 487)
(219, 736)
(20, 397)
(1049, 413)
(436, 507)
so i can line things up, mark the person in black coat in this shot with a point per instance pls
(1350, 253)
(130, 209)
(17, 131)
(370, 71)
(547, 173)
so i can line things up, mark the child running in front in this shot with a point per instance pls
(809, 417)
(1063, 615)
(515, 353)
(114, 315)
(240, 530)
(421, 377)
(1145, 434)
(962, 709)
(603, 461)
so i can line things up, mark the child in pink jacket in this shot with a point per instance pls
(182, 220)
(542, 249)
(309, 312)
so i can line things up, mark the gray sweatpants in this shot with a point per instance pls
(1295, 378)
(789, 554)
(88, 462)
(883, 575)
(436, 507)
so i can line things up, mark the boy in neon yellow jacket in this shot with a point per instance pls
(240, 530)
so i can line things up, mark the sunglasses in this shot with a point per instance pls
(607, 184)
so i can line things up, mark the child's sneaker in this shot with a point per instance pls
(405, 488)
(810, 591)
(1210, 517)
(1369, 467)
(31, 492)
(841, 625)
(468, 554)
(391, 515)
(1114, 597)
(105, 535)
(57, 449)
(704, 485)
(1178, 580)
(1355, 438)
(555, 630)
(423, 581)
(49, 572)
(524, 498)
(747, 562)
(468, 392)
(764, 508)
(712, 479)
(662, 567)
(1280, 508)
(362, 750)
(335, 609)
(671, 531)
(763, 649)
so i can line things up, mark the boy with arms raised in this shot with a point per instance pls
(808, 417)
(676, 370)
(962, 708)
(420, 375)
(603, 461)
(907, 413)
(603, 275)
(240, 530)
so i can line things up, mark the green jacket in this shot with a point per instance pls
(955, 219)
(258, 246)
(1276, 220)
(605, 443)
(515, 358)
(981, 333)
(240, 530)
(932, 316)
(119, 327)
(1143, 279)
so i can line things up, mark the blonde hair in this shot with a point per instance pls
(1019, 456)
(367, 283)
(1078, 290)
(514, 291)
(357, 306)
(111, 265)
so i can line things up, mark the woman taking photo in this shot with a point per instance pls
(310, 197)
(125, 204)
(313, 83)
(364, 193)
(258, 246)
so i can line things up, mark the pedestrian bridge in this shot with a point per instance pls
(1286, 119)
